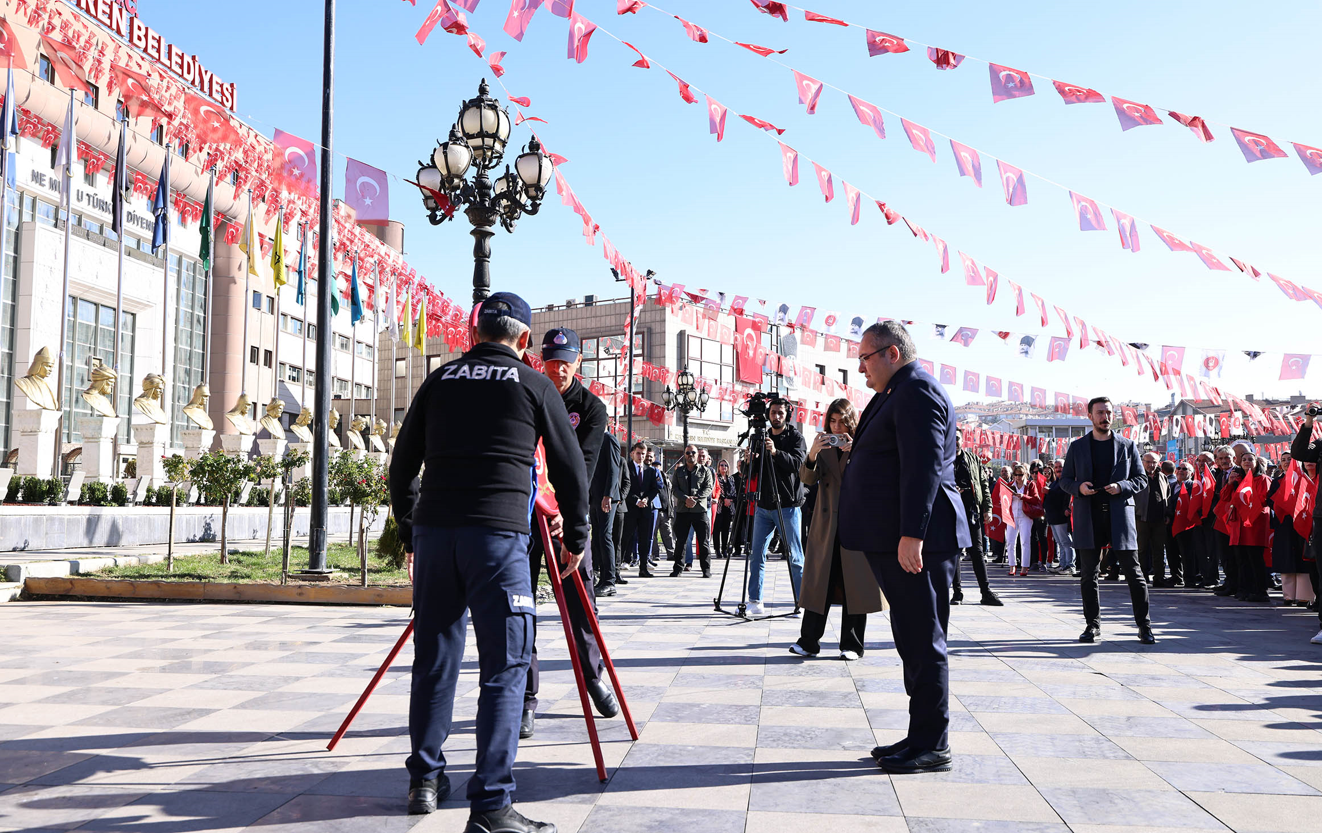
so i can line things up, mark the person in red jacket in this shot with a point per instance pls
(1249, 522)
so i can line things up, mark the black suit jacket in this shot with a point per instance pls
(606, 477)
(1127, 473)
(640, 488)
(900, 478)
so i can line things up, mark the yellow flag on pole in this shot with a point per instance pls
(420, 331)
(278, 254)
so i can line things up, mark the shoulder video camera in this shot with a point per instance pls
(756, 410)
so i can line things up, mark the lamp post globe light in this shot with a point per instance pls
(477, 142)
(685, 398)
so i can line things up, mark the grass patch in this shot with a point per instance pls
(251, 566)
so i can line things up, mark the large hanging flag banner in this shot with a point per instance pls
(748, 331)
(1294, 366)
(69, 70)
(11, 51)
(133, 91)
(367, 191)
(211, 124)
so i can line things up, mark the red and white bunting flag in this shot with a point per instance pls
(1294, 366)
(642, 62)
(970, 381)
(1060, 348)
(1128, 230)
(892, 216)
(1195, 124)
(772, 8)
(561, 8)
(715, 118)
(476, 44)
(789, 163)
(1065, 319)
(972, 277)
(1311, 157)
(1132, 114)
(944, 58)
(628, 6)
(494, 60)
(1289, 288)
(1041, 309)
(1172, 242)
(1018, 291)
(1074, 94)
(521, 100)
(880, 43)
(869, 115)
(696, 33)
(1083, 332)
(1209, 260)
(943, 251)
(992, 280)
(684, 91)
(967, 161)
(810, 90)
(852, 196)
(1256, 146)
(580, 32)
(1012, 179)
(763, 123)
(1090, 216)
(764, 51)
(824, 182)
(814, 17)
(520, 15)
(1007, 83)
(920, 138)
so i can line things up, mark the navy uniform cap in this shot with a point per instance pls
(561, 345)
(508, 304)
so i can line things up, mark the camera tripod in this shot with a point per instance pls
(744, 510)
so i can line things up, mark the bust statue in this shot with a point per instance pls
(238, 416)
(35, 385)
(334, 424)
(100, 392)
(394, 432)
(302, 426)
(378, 434)
(196, 409)
(149, 403)
(356, 433)
(271, 420)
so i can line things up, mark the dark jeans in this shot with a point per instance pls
(1090, 565)
(589, 653)
(721, 534)
(1252, 570)
(1039, 540)
(1151, 549)
(974, 550)
(698, 522)
(920, 616)
(852, 625)
(1206, 567)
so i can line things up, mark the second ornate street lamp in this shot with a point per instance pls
(477, 141)
(685, 398)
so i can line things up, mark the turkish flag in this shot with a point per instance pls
(10, 49)
(212, 125)
(880, 43)
(1018, 297)
(814, 17)
(64, 60)
(1062, 403)
(520, 15)
(965, 335)
(1289, 288)
(833, 344)
(762, 123)
(1065, 319)
(138, 100)
(851, 349)
(944, 58)
(772, 8)
(947, 374)
(1016, 391)
(580, 32)
(789, 163)
(1256, 146)
(1007, 83)
(808, 337)
(561, 8)
(749, 335)
(715, 118)
(992, 280)
(1090, 216)
(892, 216)
(695, 32)
(1041, 309)
(764, 51)
(994, 387)
(522, 100)
(684, 91)
(450, 20)
(1129, 415)
(810, 89)
(919, 138)
(852, 197)
(1195, 124)
(1132, 114)
(869, 115)
(476, 44)
(1073, 94)
(367, 191)
(944, 251)
(294, 164)
(494, 60)
(972, 277)
(1172, 242)
(1060, 348)
(971, 381)
(1209, 260)
(628, 6)
(1294, 366)
(1128, 230)
(824, 181)
(968, 161)
(642, 62)
(1311, 157)
(1012, 179)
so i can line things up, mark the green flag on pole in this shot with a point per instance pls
(204, 251)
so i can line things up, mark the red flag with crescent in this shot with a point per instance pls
(1172, 242)
(762, 123)
(294, 163)
(580, 32)
(715, 118)
(1128, 230)
(880, 43)
(367, 191)
(1074, 94)
(1132, 114)
(1310, 156)
(133, 91)
(1012, 179)
(64, 60)
(810, 90)
(1256, 146)
(920, 138)
(1007, 83)
(967, 161)
(210, 122)
(10, 49)
(1016, 391)
(749, 336)
(520, 15)
(789, 163)
(1090, 216)
(824, 181)
(870, 115)
(1294, 366)
(1195, 124)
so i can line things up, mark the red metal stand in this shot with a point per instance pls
(376, 678)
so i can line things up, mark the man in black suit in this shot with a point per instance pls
(639, 516)
(603, 498)
(899, 505)
(1104, 473)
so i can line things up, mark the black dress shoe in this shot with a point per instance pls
(706, 573)
(957, 597)
(678, 571)
(1145, 636)
(643, 572)
(879, 752)
(527, 724)
(1222, 590)
(1258, 597)
(425, 795)
(909, 762)
(621, 580)
(992, 600)
(1090, 633)
(505, 820)
(602, 698)
(605, 589)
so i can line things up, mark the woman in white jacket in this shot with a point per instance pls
(1025, 507)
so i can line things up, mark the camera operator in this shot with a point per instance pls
(782, 453)
(475, 422)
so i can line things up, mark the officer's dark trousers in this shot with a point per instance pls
(484, 571)
(1207, 555)
(638, 535)
(975, 549)
(1152, 549)
(920, 614)
(1227, 559)
(603, 544)
(589, 654)
(1127, 561)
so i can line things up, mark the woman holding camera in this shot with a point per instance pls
(729, 493)
(832, 574)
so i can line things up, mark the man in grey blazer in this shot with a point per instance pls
(1103, 472)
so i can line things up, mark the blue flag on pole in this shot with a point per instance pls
(302, 268)
(160, 207)
(355, 298)
(9, 124)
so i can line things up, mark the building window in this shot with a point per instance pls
(341, 388)
(158, 135)
(312, 331)
(364, 349)
(267, 358)
(311, 376)
(341, 342)
(293, 374)
(401, 368)
(254, 354)
(46, 214)
(257, 300)
(190, 281)
(601, 361)
(270, 305)
(93, 98)
(45, 70)
(91, 335)
(844, 376)
(433, 362)
(362, 391)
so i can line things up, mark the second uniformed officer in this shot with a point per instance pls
(475, 422)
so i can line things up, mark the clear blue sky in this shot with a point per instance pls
(721, 217)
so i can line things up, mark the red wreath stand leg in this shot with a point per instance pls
(554, 571)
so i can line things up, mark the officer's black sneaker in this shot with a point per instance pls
(991, 599)
(527, 724)
(602, 698)
(1090, 633)
(425, 795)
(908, 762)
(505, 820)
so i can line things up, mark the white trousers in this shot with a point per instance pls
(1023, 526)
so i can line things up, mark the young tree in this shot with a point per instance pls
(293, 460)
(218, 478)
(267, 467)
(176, 469)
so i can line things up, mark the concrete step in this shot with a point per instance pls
(10, 590)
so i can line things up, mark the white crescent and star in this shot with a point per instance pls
(358, 186)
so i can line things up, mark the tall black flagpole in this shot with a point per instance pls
(325, 286)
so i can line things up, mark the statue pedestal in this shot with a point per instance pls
(270, 447)
(304, 470)
(36, 441)
(240, 445)
(358, 453)
(378, 457)
(152, 438)
(198, 441)
(98, 447)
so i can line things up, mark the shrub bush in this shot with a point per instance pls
(389, 547)
(259, 496)
(119, 494)
(95, 493)
(54, 491)
(11, 492)
(149, 499)
(303, 492)
(33, 490)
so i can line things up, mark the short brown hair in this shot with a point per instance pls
(848, 415)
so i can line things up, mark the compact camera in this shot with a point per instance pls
(836, 440)
(1314, 411)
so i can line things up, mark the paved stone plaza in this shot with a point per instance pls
(193, 717)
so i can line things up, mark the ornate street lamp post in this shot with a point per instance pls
(477, 141)
(685, 398)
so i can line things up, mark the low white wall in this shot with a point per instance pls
(64, 527)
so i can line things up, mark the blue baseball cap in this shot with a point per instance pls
(561, 345)
(507, 304)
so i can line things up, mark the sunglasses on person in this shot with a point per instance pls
(690, 454)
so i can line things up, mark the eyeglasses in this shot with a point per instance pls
(690, 454)
(862, 357)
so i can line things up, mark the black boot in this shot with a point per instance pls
(527, 724)
(505, 820)
(425, 795)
